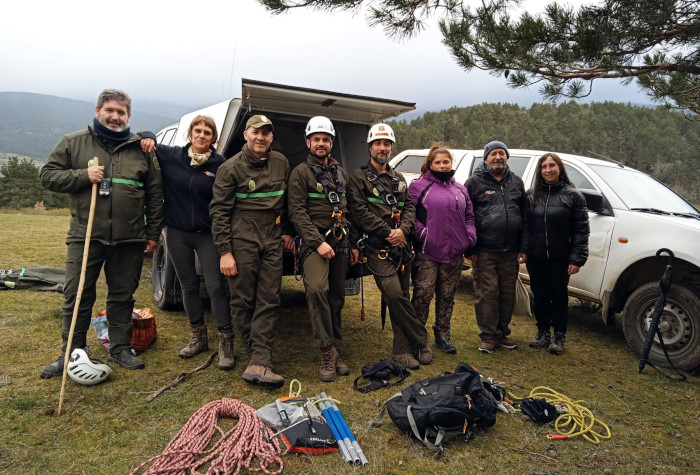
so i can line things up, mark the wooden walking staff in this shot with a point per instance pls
(81, 283)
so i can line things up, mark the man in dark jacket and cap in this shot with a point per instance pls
(500, 211)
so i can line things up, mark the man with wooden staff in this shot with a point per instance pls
(129, 187)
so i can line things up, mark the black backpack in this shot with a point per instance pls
(439, 408)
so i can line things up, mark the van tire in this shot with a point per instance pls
(167, 294)
(681, 316)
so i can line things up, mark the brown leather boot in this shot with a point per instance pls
(341, 368)
(262, 375)
(226, 358)
(407, 360)
(198, 343)
(425, 356)
(327, 370)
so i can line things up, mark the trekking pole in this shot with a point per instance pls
(338, 438)
(354, 458)
(346, 429)
(81, 283)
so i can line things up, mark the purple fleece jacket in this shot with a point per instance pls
(449, 228)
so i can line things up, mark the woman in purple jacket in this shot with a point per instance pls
(444, 230)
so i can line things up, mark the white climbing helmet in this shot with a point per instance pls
(381, 131)
(320, 124)
(84, 370)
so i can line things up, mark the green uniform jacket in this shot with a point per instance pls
(370, 214)
(136, 188)
(309, 208)
(247, 184)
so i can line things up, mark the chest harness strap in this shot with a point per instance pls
(388, 198)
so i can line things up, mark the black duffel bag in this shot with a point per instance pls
(439, 408)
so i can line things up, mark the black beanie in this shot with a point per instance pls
(491, 146)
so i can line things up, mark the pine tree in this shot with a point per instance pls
(654, 42)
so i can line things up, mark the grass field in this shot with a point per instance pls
(109, 428)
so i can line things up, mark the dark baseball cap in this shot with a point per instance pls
(258, 121)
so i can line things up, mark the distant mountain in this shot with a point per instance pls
(32, 124)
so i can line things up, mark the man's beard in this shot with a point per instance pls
(382, 161)
(120, 129)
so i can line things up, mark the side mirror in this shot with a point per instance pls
(595, 201)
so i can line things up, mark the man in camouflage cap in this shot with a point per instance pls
(250, 229)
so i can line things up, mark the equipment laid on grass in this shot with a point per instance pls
(144, 328)
(442, 407)
(248, 440)
(335, 419)
(85, 370)
(654, 331)
(39, 278)
(379, 374)
(572, 419)
(81, 284)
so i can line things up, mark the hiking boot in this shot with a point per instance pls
(327, 370)
(226, 359)
(127, 359)
(557, 346)
(446, 346)
(407, 360)
(262, 375)
(341, 369)
(542, 340)
(56, 368)
(198, 343)
(486, 347)
(425, 356)
(508, 343)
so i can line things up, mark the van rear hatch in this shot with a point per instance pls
(301, 101)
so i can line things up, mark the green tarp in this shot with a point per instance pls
(42, 279)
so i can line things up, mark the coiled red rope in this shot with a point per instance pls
(235, 450)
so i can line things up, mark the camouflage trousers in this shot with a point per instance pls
(438, 279)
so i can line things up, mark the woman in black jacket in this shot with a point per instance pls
(558, 238)
(188, 176)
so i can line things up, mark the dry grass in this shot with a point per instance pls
(110, 429)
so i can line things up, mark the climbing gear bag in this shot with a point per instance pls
(442, 407)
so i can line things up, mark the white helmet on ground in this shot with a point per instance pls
(84, 370)
(320, 124)
(381, 131)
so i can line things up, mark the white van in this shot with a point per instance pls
(289, 108)
(632, 216)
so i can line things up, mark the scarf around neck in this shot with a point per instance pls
(109, 135)
(197, 159)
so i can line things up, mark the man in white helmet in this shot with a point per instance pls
(382, 209)
(318, 208)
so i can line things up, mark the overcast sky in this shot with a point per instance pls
(196, 52)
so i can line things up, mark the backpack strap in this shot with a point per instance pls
(380, 418)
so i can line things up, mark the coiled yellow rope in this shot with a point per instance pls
(575, 419)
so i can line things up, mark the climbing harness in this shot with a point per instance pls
(385, 196)
(574, 419)
(234, 451)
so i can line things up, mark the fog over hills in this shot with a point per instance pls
(32, 124)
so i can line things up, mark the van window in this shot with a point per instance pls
(577, 178)
(410, 164)
(516, 164)
(167, 137)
